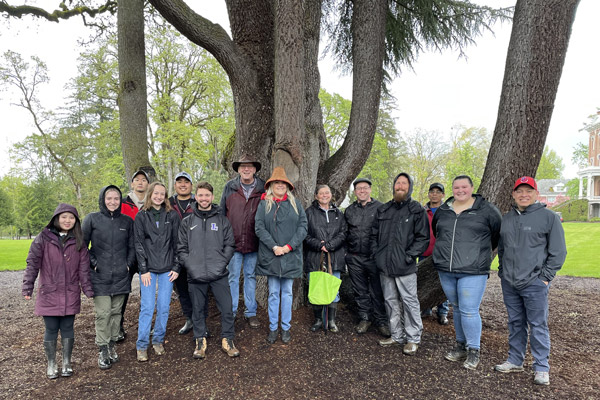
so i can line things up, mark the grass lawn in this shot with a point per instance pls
(583, 246)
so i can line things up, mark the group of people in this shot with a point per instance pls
(260, 228)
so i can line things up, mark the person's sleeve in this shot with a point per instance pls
(84, 272)
(340, 238)
(174, 238)
(130, 246)
(87, 228)
(140, 252)
(311, 242)
(34, 262)
(434, 222)
(557, 250)
(421, 233)
(183, 250)
(301, 229)
(495, 222)
(228, 240)
(260, 228)
(223, 202)
(374, 235)
(500, 255)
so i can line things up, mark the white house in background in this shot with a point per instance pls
(592, 171)
(552, 191)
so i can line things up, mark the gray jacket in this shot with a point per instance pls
(532, 245)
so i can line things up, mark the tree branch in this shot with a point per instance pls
(56, 15)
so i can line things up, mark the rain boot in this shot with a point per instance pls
(112, 352)
(103, 357)
(67, 350)
(50, 349)
(318, 324)
(331, 318)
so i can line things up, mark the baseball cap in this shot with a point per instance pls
(437, 185)
(138, 172)
(525, 180)
(361, 180)
(185, 175)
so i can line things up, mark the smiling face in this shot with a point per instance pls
(435, 197)
(183, 187)
(247, 171)
(323, 196)
(363, 192)
(279, 188)
(524, 196)
(157, 197)
(401, 188)
(462, 190)
(66, 221)
(112, 200)
(204, 199)
(139, 185)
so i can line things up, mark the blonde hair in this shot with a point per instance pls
(148, 199)
(270, 201)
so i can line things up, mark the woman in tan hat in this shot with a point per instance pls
(281, 227)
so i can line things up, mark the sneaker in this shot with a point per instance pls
(159, 349)
(443, 319)
(228, 347)
(253, 321)
(200, 350)
(384, 330)
(410, 349)
(472, 360)
(508, 367)
(541, 378)
(389, 342)
(286, 336)
(458, 353)
(272, 336)
(363, 326)
(142, 355)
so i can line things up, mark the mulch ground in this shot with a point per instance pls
(314, 365)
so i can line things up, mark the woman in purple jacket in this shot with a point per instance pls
(61, 260)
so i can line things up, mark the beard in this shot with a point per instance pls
(400, 196)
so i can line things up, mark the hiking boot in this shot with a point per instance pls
(384, 330)
(272, 336)
(228, 347)
(112, 352)
(122, 334)
(458, 353)
(286, 336)
(67, 350)
(253, 321)
(159, 349)
(472, 360)
(389, 342)
(443, 319)
(200, 350)
(508, 367)
(363, 326)
(50, 350)
(142, 355)
(410, 349)
(541, 378)
(331, 320)
(187, 327)
(103, 357)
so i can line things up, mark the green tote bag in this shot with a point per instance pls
(323, 286)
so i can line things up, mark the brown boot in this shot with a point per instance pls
(228, 347)
(200, 350)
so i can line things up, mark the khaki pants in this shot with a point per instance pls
(108, 317)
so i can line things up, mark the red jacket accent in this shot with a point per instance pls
(429, 250)
(129, 208)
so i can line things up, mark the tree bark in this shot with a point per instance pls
(536, 55)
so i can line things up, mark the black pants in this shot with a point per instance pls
(63, 324)
(222, 294)
(181, 283)
(367, 288)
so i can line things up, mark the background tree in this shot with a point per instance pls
(551, 165)
(581, 155)
(467, 155)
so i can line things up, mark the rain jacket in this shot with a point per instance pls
(156, 247)
(328, 226)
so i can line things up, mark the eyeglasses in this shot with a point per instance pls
(362, 188)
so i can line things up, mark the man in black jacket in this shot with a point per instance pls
(361, 265)
(400, 234)
(205, 246)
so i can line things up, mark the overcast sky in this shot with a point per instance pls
(441, 92)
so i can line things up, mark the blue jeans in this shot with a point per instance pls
(150, 298)
(528, 313)
(248, 260)
(465, 291)
(280, 291)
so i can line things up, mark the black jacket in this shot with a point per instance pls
(331, 229)
(155, 246)
(464, 242)
(360, 219)
(400, 233)
(112, 252)
(205, 245)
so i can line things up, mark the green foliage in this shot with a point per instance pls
(551, 165)
(6, 208)
(573, 210)
(336, 117)
(580, 155)
(572, 188)
(467, 155)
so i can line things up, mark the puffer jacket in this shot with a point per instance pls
(205, 245)
(241, 213)
(327, 226)
(532, 246)
(112, 253)
(464, 242)
(63, 271)
(280, 226)
(399, 235)
(360, 219)
(156, 247)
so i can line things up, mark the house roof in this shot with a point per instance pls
(544, 185)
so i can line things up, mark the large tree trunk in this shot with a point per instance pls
(536, 54)
(132, 87)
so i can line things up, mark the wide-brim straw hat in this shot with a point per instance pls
(245, 159)
(278, 175)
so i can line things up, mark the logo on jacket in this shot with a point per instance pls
(214, 227)
(193, 227)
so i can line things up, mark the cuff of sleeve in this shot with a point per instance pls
(289, 247)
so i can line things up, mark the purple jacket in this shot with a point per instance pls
(63, 270)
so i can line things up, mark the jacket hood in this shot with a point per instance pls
(102, 204)
(530, 209)
(410, 183)
(478, 200)
(62, 208)
(214, 210)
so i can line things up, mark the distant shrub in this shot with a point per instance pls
(595, 219)
(573, 210)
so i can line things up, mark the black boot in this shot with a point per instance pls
(112, 352)
(50, 349)
(187, 327)
(318, 324)
(331, 318)
(103, 357)
(67, 350)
